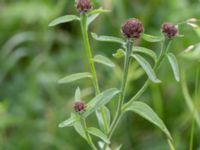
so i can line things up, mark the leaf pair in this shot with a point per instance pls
(68, 18)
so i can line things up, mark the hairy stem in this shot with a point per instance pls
(118, 114)
(89, 53)
(91, 63)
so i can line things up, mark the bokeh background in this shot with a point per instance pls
(34, 56)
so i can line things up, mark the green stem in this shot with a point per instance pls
(88, 52)
(118, 114)
(84, 28)
(89, 139)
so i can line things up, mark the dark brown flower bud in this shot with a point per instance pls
(79, 106)
(132, 28)
(170, 31)
(83, 6)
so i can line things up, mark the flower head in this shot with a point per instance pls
(132, 28)
(79, 106)
(170, 31)
(83, 6)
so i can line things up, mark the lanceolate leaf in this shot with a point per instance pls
(174, 64)
(75, 77)
(107, 38)
(146, 112)
(100, 100)
(103, 60)
(146, 51)
(98, 133)
(147, 68)
(68, 122)
(98, 11)
(79, 128)
(106, 118)
(78, 94)
(91, 18)
(151, 38)
(64, 19)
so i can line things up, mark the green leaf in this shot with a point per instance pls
(146, 112)
(64, 19)
(91, 18)
(147, 68)
(146, 51)
(106, 117)
(119, 147)
(98, 133)
(174, 64)
(108, 39)
(150, 38)
(103, 60)
(119, 54)
(100, 100)
(79, 129)
(75, 77)
(69, 122)
(78, 94)
(98, 11)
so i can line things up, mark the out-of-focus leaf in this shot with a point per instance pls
(107, 38)
(174, 64)
(146, 51)
(91, 18)
(151, 38)
(98, 133)
(100, 100)
(98, 11)
(106, 118)
(63, 19)
(75, 77)
(79, 128)
(69, 122)
(146, 112)
(103, 60)
(119, 54)
(78, 94)
(147, 68)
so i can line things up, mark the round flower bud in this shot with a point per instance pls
(170, 31)
(83, 6)
(132, 28)
(79, 106)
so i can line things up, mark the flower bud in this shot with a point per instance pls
(170, 31)
(132, 28)
(83, 6)
(79, 107)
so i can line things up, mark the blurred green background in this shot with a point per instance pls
(34, 56)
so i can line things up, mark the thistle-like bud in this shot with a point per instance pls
(83, 6)
(79, 107)
(170, 31)
(132, 28)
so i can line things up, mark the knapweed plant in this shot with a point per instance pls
(132, 30)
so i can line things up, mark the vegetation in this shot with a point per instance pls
(161, 85)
